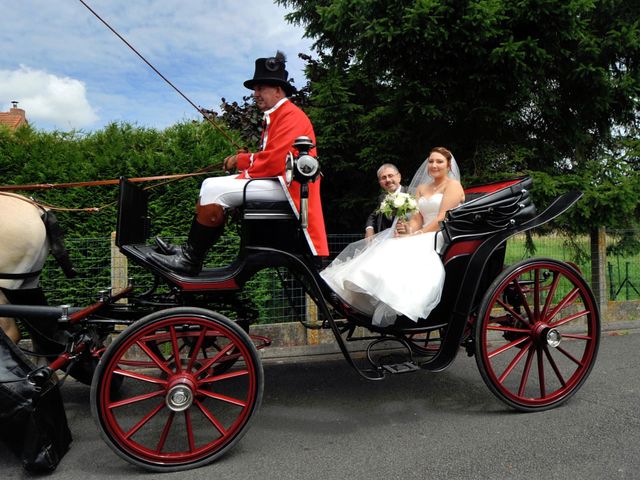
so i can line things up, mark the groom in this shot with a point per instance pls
(389, 179)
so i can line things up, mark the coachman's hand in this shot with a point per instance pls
(230, 163)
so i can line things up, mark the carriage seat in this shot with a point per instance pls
(490, 208)
(266, 210)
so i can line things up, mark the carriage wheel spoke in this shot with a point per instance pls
(553, 364)
(500, 328)
(136, 399)
(174, 346)
(506, 347)
(165, 433)
(157, 360)
(144, 420)
(577, 336)
(541, 379)
(536, 295)
(569, 318)
(525, 303)
(211, 417)
(513, 363)
(510, 310)
(139, 376)
(526, 371)
(194, 353)
(214, 359)
(223, 398)
(550, 295)
(570, 297)
(569, 356)
(224, 376)
(190, 439)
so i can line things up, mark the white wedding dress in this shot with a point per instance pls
(396, 276)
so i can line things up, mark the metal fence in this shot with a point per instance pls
(279, 298)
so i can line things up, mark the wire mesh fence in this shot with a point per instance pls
(278, 297)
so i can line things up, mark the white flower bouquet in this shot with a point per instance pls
(398, 204)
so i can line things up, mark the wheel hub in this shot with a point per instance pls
(543, 334)
(554, 337)
(180, 395)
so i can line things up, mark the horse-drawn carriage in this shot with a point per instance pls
(180, 385)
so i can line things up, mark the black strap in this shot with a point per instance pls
(18, 276)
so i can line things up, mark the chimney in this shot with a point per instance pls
(17, 111)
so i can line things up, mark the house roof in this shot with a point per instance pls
(13, 119)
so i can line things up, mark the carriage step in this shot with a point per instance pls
(404, 367)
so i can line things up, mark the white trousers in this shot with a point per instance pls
(228, 191)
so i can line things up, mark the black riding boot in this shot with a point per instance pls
(188, 260)
(166, 248)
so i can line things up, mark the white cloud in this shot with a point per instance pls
(45, 97)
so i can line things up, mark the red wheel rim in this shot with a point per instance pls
(169, 412)
(539, 335)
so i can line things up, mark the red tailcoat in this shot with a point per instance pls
(283, 124)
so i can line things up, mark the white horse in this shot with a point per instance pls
(23, 249)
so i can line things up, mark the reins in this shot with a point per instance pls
(6, 190)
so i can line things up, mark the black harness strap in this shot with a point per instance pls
(19, 276)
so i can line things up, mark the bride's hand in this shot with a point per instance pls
(402, 228)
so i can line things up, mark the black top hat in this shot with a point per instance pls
(271, 71)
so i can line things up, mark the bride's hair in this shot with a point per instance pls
(446, 153)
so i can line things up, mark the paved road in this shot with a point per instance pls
(319, 420)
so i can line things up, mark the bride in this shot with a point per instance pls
(398, 272)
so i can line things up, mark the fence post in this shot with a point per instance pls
(119, 268)
(598, 267)
(313, 335)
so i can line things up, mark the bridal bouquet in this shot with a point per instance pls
(398, 204)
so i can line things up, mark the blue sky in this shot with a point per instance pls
(68, 71)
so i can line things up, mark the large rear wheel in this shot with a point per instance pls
(191, 381)
(537, 334)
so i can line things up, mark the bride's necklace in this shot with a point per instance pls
(437, 188)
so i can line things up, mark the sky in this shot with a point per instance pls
(68, 71)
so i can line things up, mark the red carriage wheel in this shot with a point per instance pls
(537, 334)
(190, 383)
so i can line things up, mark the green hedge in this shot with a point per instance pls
(29, 156)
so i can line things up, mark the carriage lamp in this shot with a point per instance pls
(303, 168)
(307, 166)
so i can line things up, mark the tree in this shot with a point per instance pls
(510, 86)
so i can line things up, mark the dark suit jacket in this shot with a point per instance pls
(379, 221)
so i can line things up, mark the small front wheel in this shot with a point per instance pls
(537, 334)
(177, 389)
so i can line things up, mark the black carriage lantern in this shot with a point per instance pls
(303, 168)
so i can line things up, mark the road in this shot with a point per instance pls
(319, 420)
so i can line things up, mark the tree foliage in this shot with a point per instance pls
(510, 86)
